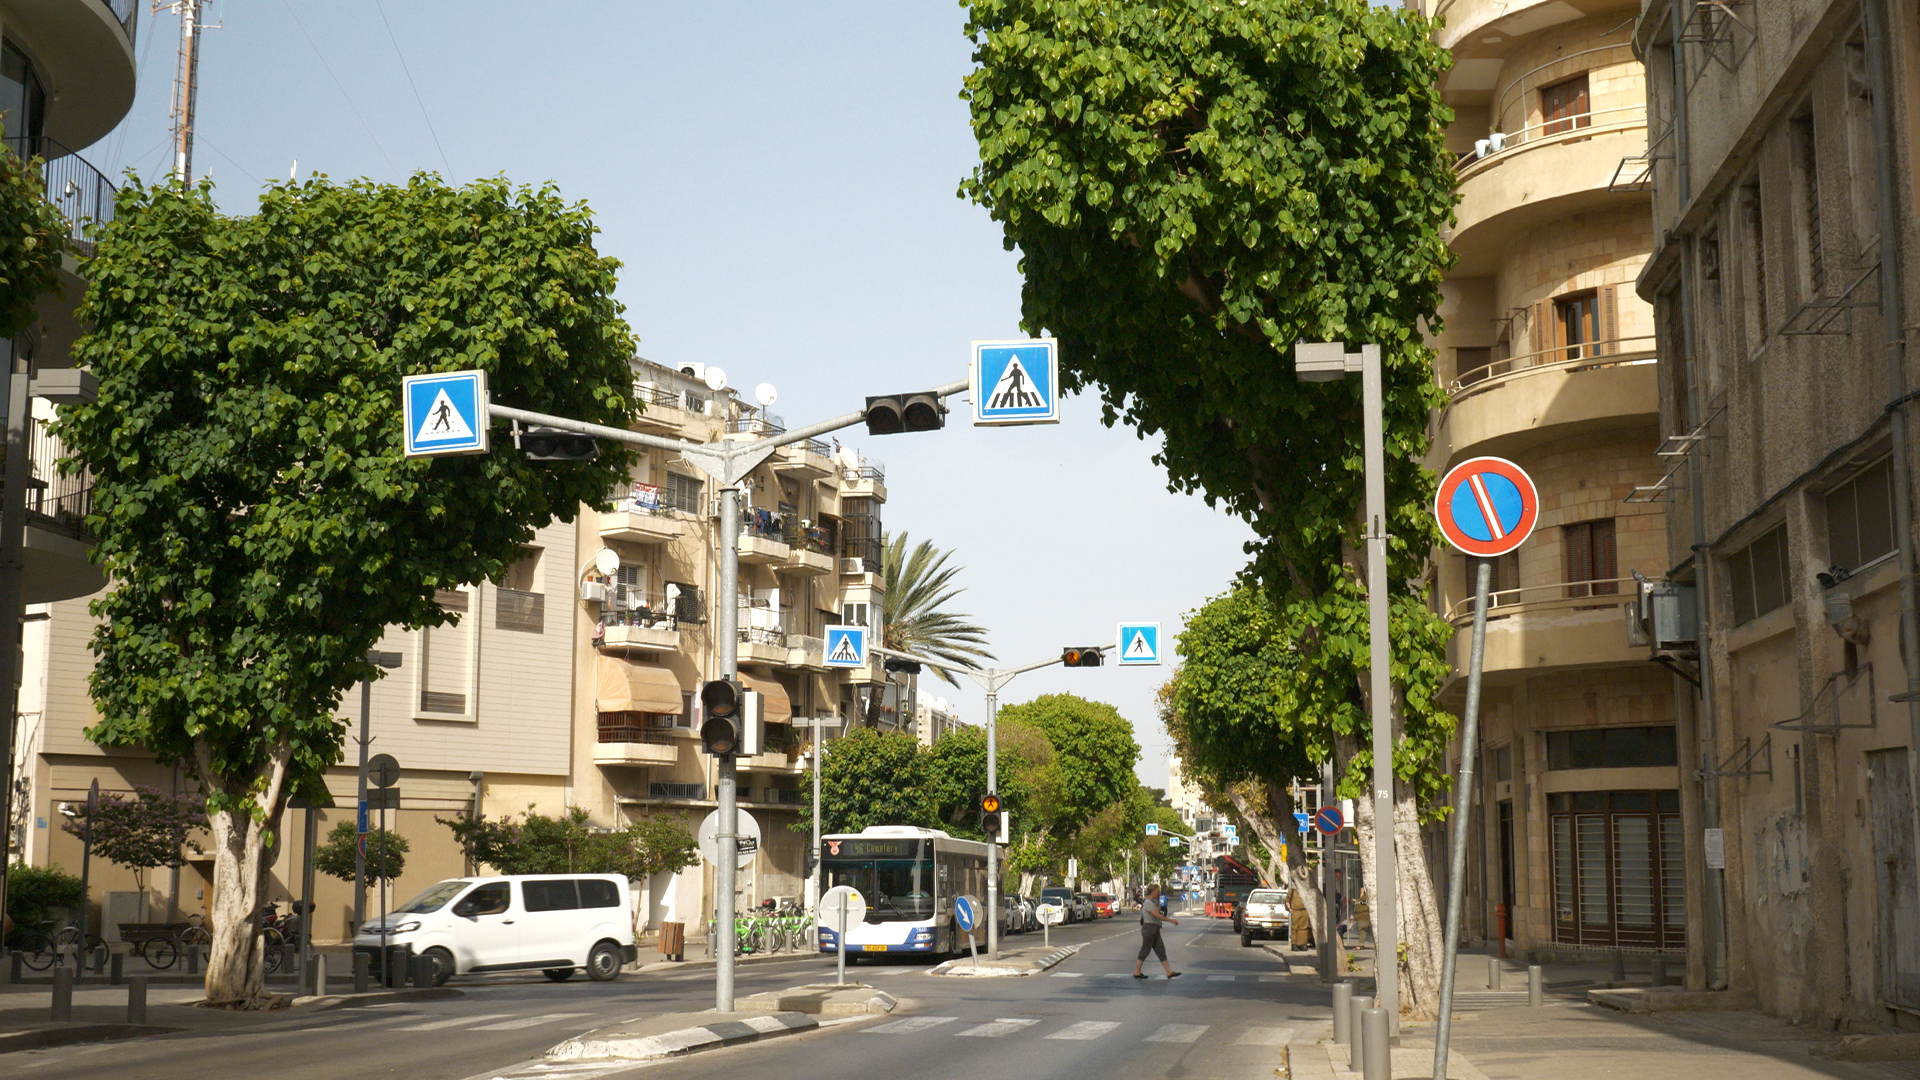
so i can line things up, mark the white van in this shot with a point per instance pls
(553, 923)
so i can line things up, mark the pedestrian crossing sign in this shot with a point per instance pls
(1139, 644)
(846, 646)
(1016, 382)
(444, 413)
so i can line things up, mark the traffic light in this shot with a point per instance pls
(990, 804)
(732, 725)
(894, 413)
(905, 667)
(1075, 657)
(552, 444)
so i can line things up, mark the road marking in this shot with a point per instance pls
(1273, 978)
(910, 1025)
(1117, 975)
(1085, 1030)
(1219, 978)
(1178, 1033)
(529, 1021)
(1068, 974)
(435, 1025)
(1263, 1036)
(996, 1029)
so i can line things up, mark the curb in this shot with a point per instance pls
(683, 1042)
(963, 968)
(71, 1035)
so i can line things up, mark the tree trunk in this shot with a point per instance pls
(242, 852)
(1418, 914)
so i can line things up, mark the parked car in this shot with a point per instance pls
(553, 923)
(1063, 899)
(1105, 906)
(1015, 916)
(1265, 914)
(1084, 902)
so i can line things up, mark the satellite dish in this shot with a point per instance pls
(606, 561)
(766, 395)
(716, 379)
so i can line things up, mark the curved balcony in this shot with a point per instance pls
(84, 51)
(1541, 174)
(1469, 23)
(1573, 624)
(1505, 406)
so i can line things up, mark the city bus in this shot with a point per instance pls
(909, 877)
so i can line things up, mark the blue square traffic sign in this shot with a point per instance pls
(1016, 382)
(847, 646)
(1138, 644)
(444, 413)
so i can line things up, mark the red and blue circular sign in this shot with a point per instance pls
(1487, 506)
(1329, 820)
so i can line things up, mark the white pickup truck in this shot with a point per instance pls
(1265, 914)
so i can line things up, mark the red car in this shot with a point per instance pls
(1105, 906)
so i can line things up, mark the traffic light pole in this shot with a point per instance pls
(728, 463)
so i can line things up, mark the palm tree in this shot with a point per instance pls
(913, 615)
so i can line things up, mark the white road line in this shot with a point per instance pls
(1219, 978)
(1085, 1030)
(910, 1025)
(1273, 978)
(1266, 1036)
(1118, 975)
(436, 1025)
(529, 1021)
(1068, 974)
(996, 1029)
(1178, 1033)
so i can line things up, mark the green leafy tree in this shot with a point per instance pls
(33, 234)
(1028, 775)
(1095, 752)
(339, 856)
(35, 896)
(1193, 187)
(141, 833)
(254, 511)
(870, 778)
(570, 844)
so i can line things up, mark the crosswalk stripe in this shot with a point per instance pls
(529, 1021)
(1117, 975)
(435, 1025)
(1219, 978)
(996, 1029)
(1085, 1030)
(1279, 1036)
(910, 1025)
(1068, 974)
(1273, 978)
(1178, 1033)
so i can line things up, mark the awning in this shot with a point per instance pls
(775, 708)
(625, 686)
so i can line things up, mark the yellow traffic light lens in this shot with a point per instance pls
(991, 804)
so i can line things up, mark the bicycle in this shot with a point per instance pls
(192, 933)
(36, 947)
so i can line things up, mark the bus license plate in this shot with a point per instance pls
(875, 948)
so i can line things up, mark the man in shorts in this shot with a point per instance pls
(1150, 922)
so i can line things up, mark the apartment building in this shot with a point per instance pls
(1785, 395)
(933, 717)
(1548, 358)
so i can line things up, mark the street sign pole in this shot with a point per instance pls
(1462, 810)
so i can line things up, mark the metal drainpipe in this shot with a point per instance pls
(1715, 899)
(1894, 319)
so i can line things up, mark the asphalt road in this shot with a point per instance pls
(504, 1023)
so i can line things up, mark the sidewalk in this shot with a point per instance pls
(1571, 1038)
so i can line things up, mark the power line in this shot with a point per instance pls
(381, 8)
(340, 87)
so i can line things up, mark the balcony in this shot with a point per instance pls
(661, 410)
(78, 190)
(806, 653)
(643, 517)
(763, 645)
(781, 754)
(1505, 406)
(629, 745)
(661, 636)
(763, 540)
(809, 460)
(868, 480)
(1580, 624)
(809, 553)
(84, 50)
(55, 563)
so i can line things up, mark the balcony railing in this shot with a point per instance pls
(636, 733)
(128, 12)
(809, 538)
(74, 187)
(630, 605)
(1581, 357)
(1598, 593)
(872, 471)
(758, 426)
(763, 523)
(763, 635)
(53, 494)
(1563, 129)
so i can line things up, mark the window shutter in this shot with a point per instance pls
(1578, 540)
(1606, 562)
(1540, 324)
(1609, 320)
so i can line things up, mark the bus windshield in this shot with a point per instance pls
(896, 890)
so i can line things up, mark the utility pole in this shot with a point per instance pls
(186, 83)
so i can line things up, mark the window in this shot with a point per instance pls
(559, 895)
(524, 574)
(854, 615)
(1860, 517)
(1564, 106)
(683, 493)
(22, 99)
(1470, 363)
(1806, 175)
(597, 893)
(1591, 560)
(492, 898)
(1618, 878)
(1865, 181)
(860, 539)
(1579, 321)
(1503, 763)
(1752, 211)
(684, 601)
(522, 611)
(1757, 576)
(1612, 748)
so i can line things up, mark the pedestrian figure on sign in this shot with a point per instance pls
(1151, 919)
(1016, 394)
(443, 416)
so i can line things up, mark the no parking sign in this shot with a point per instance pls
(1486, 506)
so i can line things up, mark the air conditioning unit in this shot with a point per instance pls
(1669, 618)
(593, 592)
(853, 566)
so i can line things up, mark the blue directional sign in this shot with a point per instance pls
(1016, 382)
(1153, 828)
(1304, 821)
(1139, 644)
(847, 646)
(444, 413)
(964, 913)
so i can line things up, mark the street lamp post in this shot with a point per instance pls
(1322, 362)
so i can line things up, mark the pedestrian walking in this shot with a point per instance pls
(1151, 919)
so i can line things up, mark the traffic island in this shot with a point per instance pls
(822, 999)
(1010, 964)
(679, 1034)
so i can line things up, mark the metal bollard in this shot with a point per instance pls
(1536, 987)
(1619, 967)
(1377, 1062)
(419, 968)
(116, 969)
(193, 959)
(137, 1000)
(16, 967)
(1493, 973)
(1356, 1032)
(362, 971)
(1343, 1013)
(62, 995)
(318, 986)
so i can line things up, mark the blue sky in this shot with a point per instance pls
(778, 180)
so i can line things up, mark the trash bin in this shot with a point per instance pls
(673, 940)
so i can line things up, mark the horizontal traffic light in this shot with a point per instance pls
(1080, 657)
(552, 444)
(904, 667)
(894, 413)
